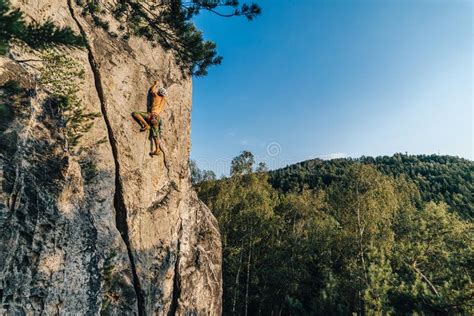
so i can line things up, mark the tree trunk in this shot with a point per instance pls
(361, 235)
(360, 232)
(425, 278)
(237, 279)
(248, 276)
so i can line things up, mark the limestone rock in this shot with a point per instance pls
(110, 230)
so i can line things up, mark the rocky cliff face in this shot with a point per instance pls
(110, 229)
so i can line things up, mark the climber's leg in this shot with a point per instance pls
(155, 133)
(157, 146)
(141, 117)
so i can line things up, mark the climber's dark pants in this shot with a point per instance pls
(146, 119)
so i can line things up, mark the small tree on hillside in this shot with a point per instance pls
(242, 164)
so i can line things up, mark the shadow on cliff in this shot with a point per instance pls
(39, 243)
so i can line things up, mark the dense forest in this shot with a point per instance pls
(438, 178)
(386, 235)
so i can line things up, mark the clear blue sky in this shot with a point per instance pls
(335, 78)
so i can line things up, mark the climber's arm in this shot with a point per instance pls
(164, 102)
(154, 86)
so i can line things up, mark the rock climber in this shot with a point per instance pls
(151, 120)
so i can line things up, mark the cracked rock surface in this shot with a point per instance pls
(132, 239)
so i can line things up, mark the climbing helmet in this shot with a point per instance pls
(162, 91)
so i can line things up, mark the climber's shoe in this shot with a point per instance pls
(145, 128)
(154, 153)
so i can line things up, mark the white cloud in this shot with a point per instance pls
(333, 156)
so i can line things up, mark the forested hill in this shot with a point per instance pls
(367, 236)
(438, 178)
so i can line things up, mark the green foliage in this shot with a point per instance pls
(262, 167)
(193, 7)
(244, 206)
(13, 26)
(438, 178)
(434, 262)
(242, 164)
(60, 77)
(363, 202)
(94, 9)
(350, 239)
(169, 24)
(43, 35)
(198, 175)
(380, 278)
